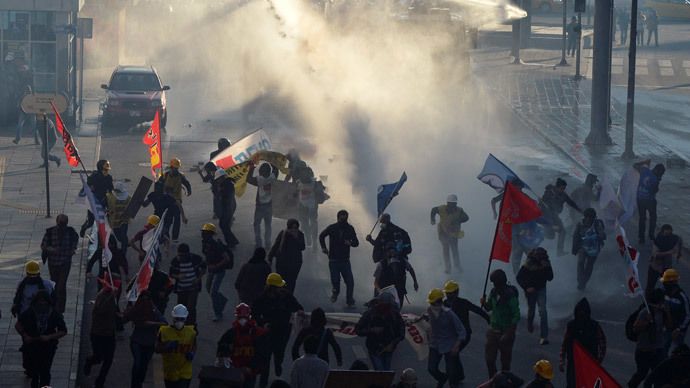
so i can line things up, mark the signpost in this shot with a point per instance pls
(580, 6)
(84, 31)
(39, 104)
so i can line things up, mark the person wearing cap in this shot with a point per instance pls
(667, 245)
(117, 202)
(389, 233)
(647, 188)
(505, 315)
(173, 182)
(543, 374)
(164, 203)
(532, 277)
(104, 318)
(273, 310)
(225, 205)
(218, 259)
(341, 237)
(287, 250)
(445, 341)
(384, 329)
(177, 344)
(450, 229)
(100, 183)
(462, 307)
(588, 239)
(137, 242)
(187, 269)
(263, 211)
(244, 346)
(59, 244)
(309, 371)
(679, 306)
(552, 206)
(408, 379)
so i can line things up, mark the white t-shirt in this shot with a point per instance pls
(263, 192)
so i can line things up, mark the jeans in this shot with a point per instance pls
(263, 212)
(103, 348)
(308, 219)
(87, 223)
(653, 31)
(572, 46)
(121, 235)
(182, 383)
(188, 299)
(499, 341)
(450, 246)
(225, 222)
(278, 337)
(40, 360)
(59, 274)
(141, 356)
(342, 268)
(624, 33)
(455, 373)
(25, 118)
(640, 36)
(644, 206)
(382, 361)
(538, 298)
(585, 266)
(218, 300)
(516, 256)
(646, 361)
(51, 158)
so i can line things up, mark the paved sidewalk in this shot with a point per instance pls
(22, 225)
(557, 108)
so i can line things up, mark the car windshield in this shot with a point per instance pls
(135, 82)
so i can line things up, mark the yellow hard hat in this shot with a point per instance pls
(208, 227)
(670, 275)
(544, 369)
(450, 286)
(434, 295)
(175, 162)
(32, 267)
(153, 220)
(275, 280)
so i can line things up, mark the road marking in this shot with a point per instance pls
(666, 71)
(687, 72)
(641, 70)
(359, 352)
(641, 62)
(616, 69)
(2, 174)
(686, 63)
(665, 63)
(617, 61)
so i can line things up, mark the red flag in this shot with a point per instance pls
(588, 372)
(516, 208)
(152, 138)
(630, 255)
(71, 151)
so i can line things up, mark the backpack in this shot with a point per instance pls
(630, 322)
(591, 242)
(320, 193)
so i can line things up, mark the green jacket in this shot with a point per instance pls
(505, 309)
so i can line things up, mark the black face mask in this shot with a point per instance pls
(42, 308)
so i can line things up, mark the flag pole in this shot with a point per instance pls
(488, 268)
(396, 189)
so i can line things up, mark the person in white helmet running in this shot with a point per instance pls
(177, 344)
(449, 229)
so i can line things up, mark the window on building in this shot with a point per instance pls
(17, 26)
(43, 26)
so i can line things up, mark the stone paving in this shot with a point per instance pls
(22, 225)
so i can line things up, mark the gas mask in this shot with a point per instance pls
(436, 310)
(243, 321)
(179, 325)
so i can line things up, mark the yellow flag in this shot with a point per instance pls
(238, 173)
(275, 158)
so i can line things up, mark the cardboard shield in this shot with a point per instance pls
(138, 197)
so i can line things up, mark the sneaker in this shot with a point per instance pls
(334, 297)
(15, 141)
(543, 341)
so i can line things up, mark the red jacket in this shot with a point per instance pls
(245, 345)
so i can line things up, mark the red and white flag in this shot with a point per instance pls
(516, 208)
(101, 222)
(588, 372)
(153, 254)
(71, 151)
(152, 138)
(630, 256)
(243, 149)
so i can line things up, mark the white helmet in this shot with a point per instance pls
(452, 198)
(180, 311)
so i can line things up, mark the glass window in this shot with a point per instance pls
(135, 82)
(18, 54)
(17, 27)
(43, 57)
(43, 26)
(44, 83)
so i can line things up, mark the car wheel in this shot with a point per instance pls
(545, 7)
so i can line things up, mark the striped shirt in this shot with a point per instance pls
(187, 269)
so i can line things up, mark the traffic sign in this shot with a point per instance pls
(39, 103)
(85, 28)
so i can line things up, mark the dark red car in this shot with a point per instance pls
(134, 94)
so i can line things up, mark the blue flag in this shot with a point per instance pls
(387, 192)
(496, 174)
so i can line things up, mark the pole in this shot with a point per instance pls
(630, 107)
(516, 42)
(498, 221)
(45, 163)
(599, 122)
(81, 78)
(578, 76)
(563, 43)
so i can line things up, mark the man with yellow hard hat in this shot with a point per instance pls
(218, 259)
(446, 338)
(462, 307)
(137, 241)
(173, 180)
(679, 307)
(543, 374)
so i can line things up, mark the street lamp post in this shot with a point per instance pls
(565, 25)
(578, 76)
(630, 107)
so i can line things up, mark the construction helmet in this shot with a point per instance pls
(175, 163)
(243, 310)
(208, 227)
(452, 198)
(544, 369)
(670, 275)
(434, 295)
(450, 286)
(180, 311)
(275, 280)
(32, 267)
(153, 220)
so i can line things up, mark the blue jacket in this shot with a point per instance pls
(648, 186)
(446, 330)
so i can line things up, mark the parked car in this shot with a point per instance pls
(133, 95)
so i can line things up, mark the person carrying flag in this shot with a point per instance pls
(117, 202)
(449, 229)
(462, 307)
(585, 331)
(505, 315)
(263, 212)
(137, 242)
(100, 182)
(389, 233)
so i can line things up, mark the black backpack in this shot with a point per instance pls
(630, 322)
